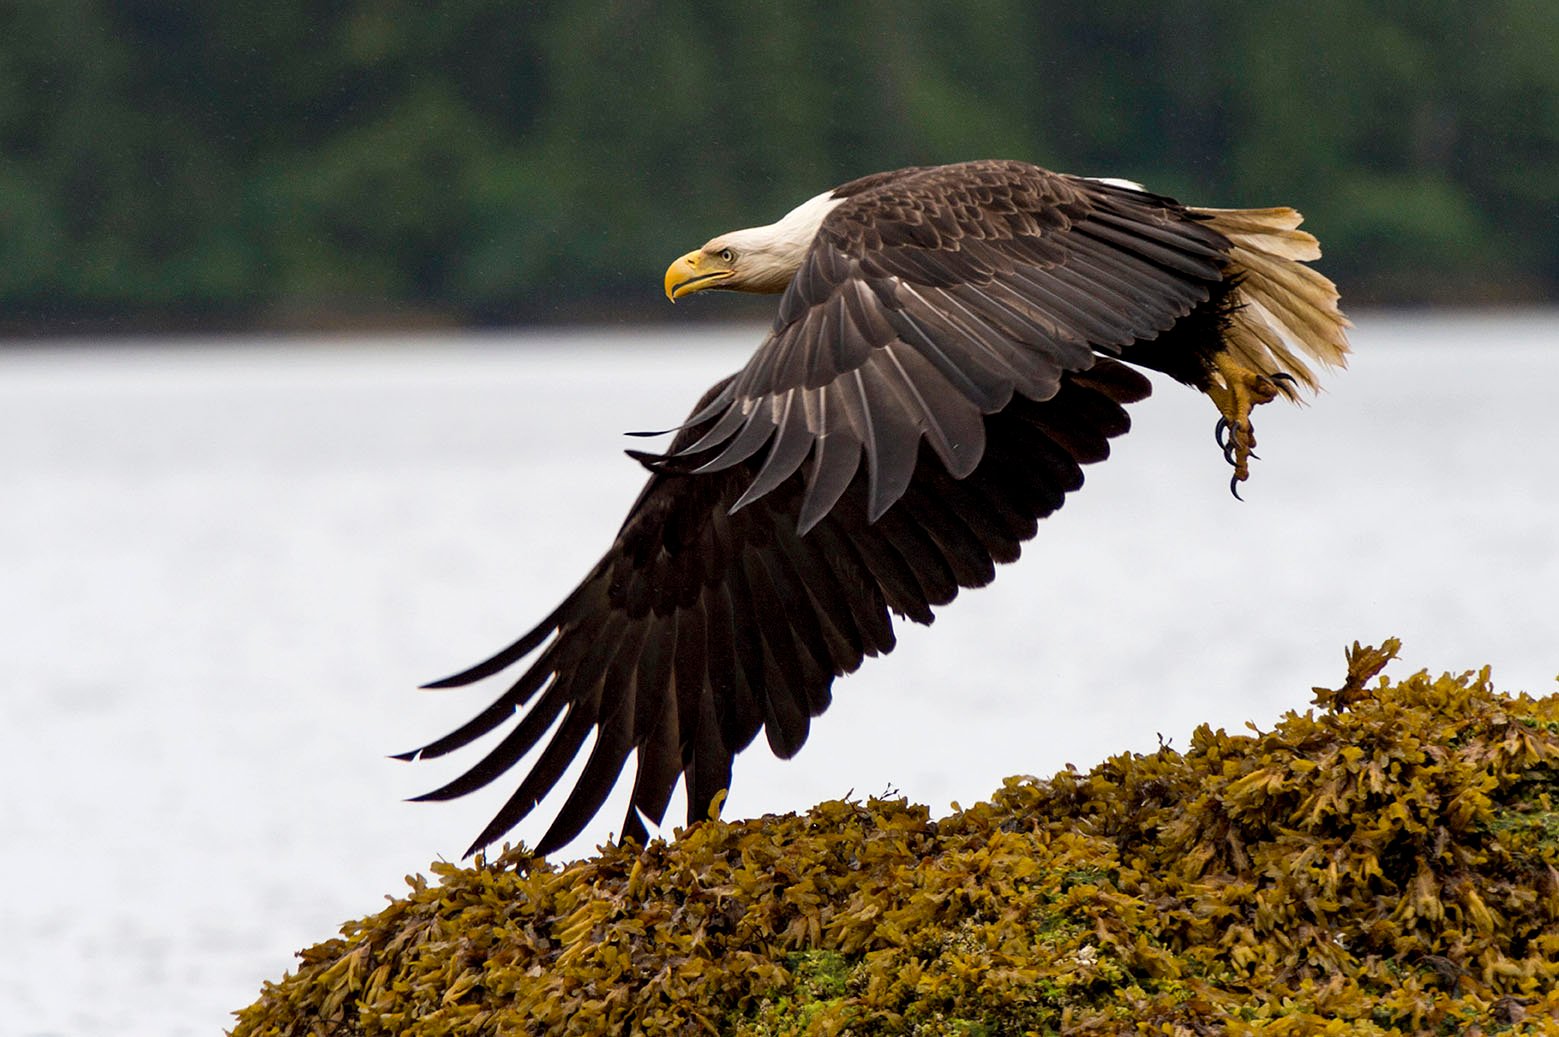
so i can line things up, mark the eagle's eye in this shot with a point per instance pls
(727, 255)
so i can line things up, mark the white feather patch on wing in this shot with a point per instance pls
(1115, 181)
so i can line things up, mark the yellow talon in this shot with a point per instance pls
(1237, 390)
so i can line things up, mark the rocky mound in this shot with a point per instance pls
(1385, 862)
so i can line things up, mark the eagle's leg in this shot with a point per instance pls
(1237, 390)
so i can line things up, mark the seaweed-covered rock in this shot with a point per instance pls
(1387, 862)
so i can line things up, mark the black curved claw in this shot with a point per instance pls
(1220, 430)
(1234, 487)
(1228, 451)
(1283, 376)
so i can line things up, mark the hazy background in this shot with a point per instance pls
(228, 554)
(227, 564)
(305, 163)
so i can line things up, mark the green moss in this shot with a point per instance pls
(1387, 862)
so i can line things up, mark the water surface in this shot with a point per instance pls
(227, 565)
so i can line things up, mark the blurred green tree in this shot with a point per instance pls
(307, 162)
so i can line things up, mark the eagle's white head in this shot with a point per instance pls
(758, 259)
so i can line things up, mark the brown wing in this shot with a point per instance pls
(702, 626)
(951, 313)
(931, 296)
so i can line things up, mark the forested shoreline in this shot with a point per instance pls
(302, 164)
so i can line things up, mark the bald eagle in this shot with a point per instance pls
(951, 347)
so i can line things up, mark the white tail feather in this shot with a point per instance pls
(1288, 321)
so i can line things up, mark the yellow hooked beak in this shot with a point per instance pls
(694, 272)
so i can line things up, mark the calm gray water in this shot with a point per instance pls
(227, 565)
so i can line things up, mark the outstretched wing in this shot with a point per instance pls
(701, 625)
(928, 298)
(945, 325)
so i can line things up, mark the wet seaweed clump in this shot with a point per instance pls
(1385, 862)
